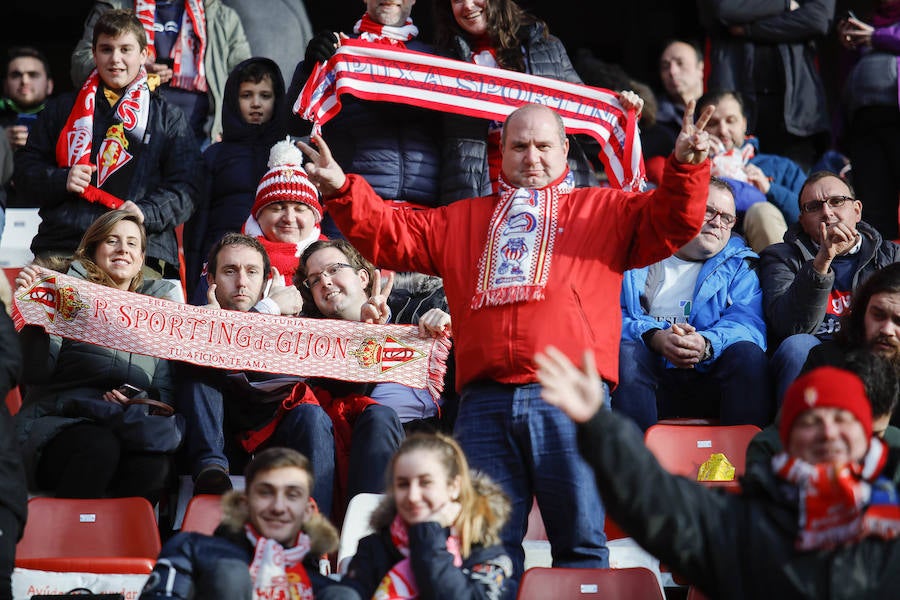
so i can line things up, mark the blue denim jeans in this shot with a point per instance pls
(736, 388)
(305, 428)
(377, 434)
(530, 449)
(788, 361)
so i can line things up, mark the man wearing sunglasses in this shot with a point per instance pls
(808, 279)
(693, 336)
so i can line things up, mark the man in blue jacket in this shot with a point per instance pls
(693, 335)
(766, 185)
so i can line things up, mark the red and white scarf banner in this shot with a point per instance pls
(389, 74)
(188, 70)
(348, 350)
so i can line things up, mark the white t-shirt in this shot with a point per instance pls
(675, 293)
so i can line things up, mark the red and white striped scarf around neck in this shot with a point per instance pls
(75, 141)
(371, 31)
(187, 74)
(400, 582)
(276, 571)
(516, 262)
(842, 504)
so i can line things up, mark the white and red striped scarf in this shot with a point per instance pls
(400, 582)
(276, 571)
(371, 31)
(842, 504)
(516, 262)
(187, 74)
(731, 163)
(75, 141)
(388, 74)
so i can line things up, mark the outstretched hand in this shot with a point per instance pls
(693, 144)
(577, 392)
(324, 172)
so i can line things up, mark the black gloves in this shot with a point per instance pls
(320, 48)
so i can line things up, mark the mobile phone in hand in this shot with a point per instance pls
(128, 390)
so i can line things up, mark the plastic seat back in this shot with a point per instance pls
(356, 526)
(635, 583)
(681, 449)
(105, 535)
(203, 514)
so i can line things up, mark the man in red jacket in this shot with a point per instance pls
(539, 262)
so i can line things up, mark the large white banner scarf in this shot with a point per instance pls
(382, 73)
(225, 339)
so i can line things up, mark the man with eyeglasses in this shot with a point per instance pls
(245, 407)
(693, 336)
(808, 279)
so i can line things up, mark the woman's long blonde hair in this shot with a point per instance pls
(484, 509)
(95, 235)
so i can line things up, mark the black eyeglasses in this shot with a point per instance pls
(329, 271)
(727, 219)
(833, 201)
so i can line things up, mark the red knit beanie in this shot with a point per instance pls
(286, 181)
(825, 387)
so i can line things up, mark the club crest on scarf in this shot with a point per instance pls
(387, 354)
(516, 262)
(113, 153)
(64, 301)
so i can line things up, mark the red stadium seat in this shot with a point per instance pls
(203, 514)
(105, 535)
(681, 449)
(635, 583)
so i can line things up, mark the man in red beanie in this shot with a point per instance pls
(818, 522)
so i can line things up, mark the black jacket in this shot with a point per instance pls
(736, 546)
(189, 560)
(163, 183)
(12, 476)
(232, 169)
(795, 296)
(792, 32)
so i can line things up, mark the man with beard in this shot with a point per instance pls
(868, 344)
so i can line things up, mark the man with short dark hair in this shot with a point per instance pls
(268, 545)
(27, 83)
(693, 335)
(112, 144)
(778, 179)
(681, 73)
(808, 279)
(247, 406)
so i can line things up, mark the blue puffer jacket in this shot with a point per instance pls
(786, 179)
(232, 169)
(392, 146)
(727, 307)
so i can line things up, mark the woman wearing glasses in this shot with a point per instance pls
(808, 279)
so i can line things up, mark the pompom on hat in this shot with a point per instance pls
(286, 181)
(825, 387)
